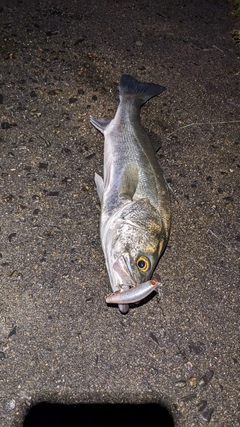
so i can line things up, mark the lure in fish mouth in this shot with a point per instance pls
(135, 205)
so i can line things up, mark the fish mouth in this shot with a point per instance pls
(129, 291)
(123, 268)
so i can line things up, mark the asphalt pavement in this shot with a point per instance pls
(60, 62)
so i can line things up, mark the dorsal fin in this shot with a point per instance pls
(100, 124)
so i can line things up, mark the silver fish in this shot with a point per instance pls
(134, 197)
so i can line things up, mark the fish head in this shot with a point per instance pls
(132, 244)
(135, 253)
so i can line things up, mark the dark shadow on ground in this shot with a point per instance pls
(47, 414)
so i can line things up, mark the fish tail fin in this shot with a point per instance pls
(140, 90)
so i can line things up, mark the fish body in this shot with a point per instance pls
(134, 197)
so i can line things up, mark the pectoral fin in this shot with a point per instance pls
(99, 183)
(129, 181)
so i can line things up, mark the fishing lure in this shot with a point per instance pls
(134, 294)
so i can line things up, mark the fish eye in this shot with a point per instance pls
(143, 263)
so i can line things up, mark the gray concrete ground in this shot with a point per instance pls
(59, 341)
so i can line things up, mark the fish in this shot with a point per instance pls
(134, 196)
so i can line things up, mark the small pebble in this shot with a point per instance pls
(188, 366)
(11, 236)
(207, 414)
(28, 402)
(2, 355)
(90, 156)
(78, 41)
(188, 397)
(35, 113)
(6, 125)
(50, 233)
(36, 211)
(72, 100)
(43, 165)
(21, 207)
(202, 405)
(153, 370)
(162, 330)
(154, 338)
(54, 92)
(197, 347)
(12, 332)
(8, 198)
(193, 381)
(11, 404)
(36, 198)
(228, 198)
(53, 193)
(206, 378)
(180, 384)
(16, 275)
(66, 180)
(66, 150)
(48, 143)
